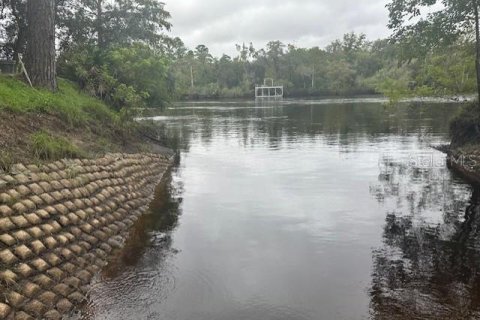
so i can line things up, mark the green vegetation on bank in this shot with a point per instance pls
(47, 147)
(125, 77)
(135, 75)
(115, 57)
(446, 36)
(113, 50)
(39, 125)
(68, 102)
(120, 53)
(349, 66)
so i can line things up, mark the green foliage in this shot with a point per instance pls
(68, 103)
(348, 66)
(133, 76)
(115, 50)
(48, 147)
(451, 71)
(112, 23)
(340, 69)
(124, 95)
(423, 27)
(14, 39)
(7, 160)
(140, 68)
(394, 82)
(442, 23)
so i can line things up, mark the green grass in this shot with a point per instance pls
(47, 147)
(70, 115)
(68, 102)
(7, 160)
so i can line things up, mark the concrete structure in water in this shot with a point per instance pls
(59, 223)
(268, 91)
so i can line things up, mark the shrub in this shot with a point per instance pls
(7, 160)
(47, 147)
(126, 77)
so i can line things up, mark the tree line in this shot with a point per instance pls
(120, 52)
(348, 66)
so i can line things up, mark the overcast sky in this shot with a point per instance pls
(220, 24)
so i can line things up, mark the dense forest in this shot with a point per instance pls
(348, 66)
(121, 52)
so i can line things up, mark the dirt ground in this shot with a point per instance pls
(96, 140)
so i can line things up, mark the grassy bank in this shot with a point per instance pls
(39, 125)
(68, 103)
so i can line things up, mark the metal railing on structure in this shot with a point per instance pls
(268, 91)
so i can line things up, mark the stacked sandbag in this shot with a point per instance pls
(59, 222)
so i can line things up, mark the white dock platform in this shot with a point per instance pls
(268, 91)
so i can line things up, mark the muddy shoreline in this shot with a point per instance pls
(464, 171)
(462, 163)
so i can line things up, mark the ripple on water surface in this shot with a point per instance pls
(302, 210)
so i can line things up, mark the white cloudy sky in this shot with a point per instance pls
(220, 24)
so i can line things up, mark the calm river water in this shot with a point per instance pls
(302, 210)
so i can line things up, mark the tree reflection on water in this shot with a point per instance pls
(151, 230)
(429, 264)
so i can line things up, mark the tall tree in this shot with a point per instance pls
(275, 50)
(445, 22)
(40, 52)
(110, 23)
(202, 53)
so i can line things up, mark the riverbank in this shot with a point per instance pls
(323, 95)
(239, 93)
(464, 149)
(60, 221)
(38, 125)
(75, 175)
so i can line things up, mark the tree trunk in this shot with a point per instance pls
(40, 54)
(313, 77)
(191, 76)
(477, 46)
(99, 24)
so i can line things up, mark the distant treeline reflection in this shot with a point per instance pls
(281, 125)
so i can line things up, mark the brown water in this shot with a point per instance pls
(302, 210)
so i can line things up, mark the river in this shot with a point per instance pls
(301, 210)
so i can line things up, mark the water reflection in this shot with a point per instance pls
(283, 126)
(281, 206)
(428, 266)
(148, 247)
